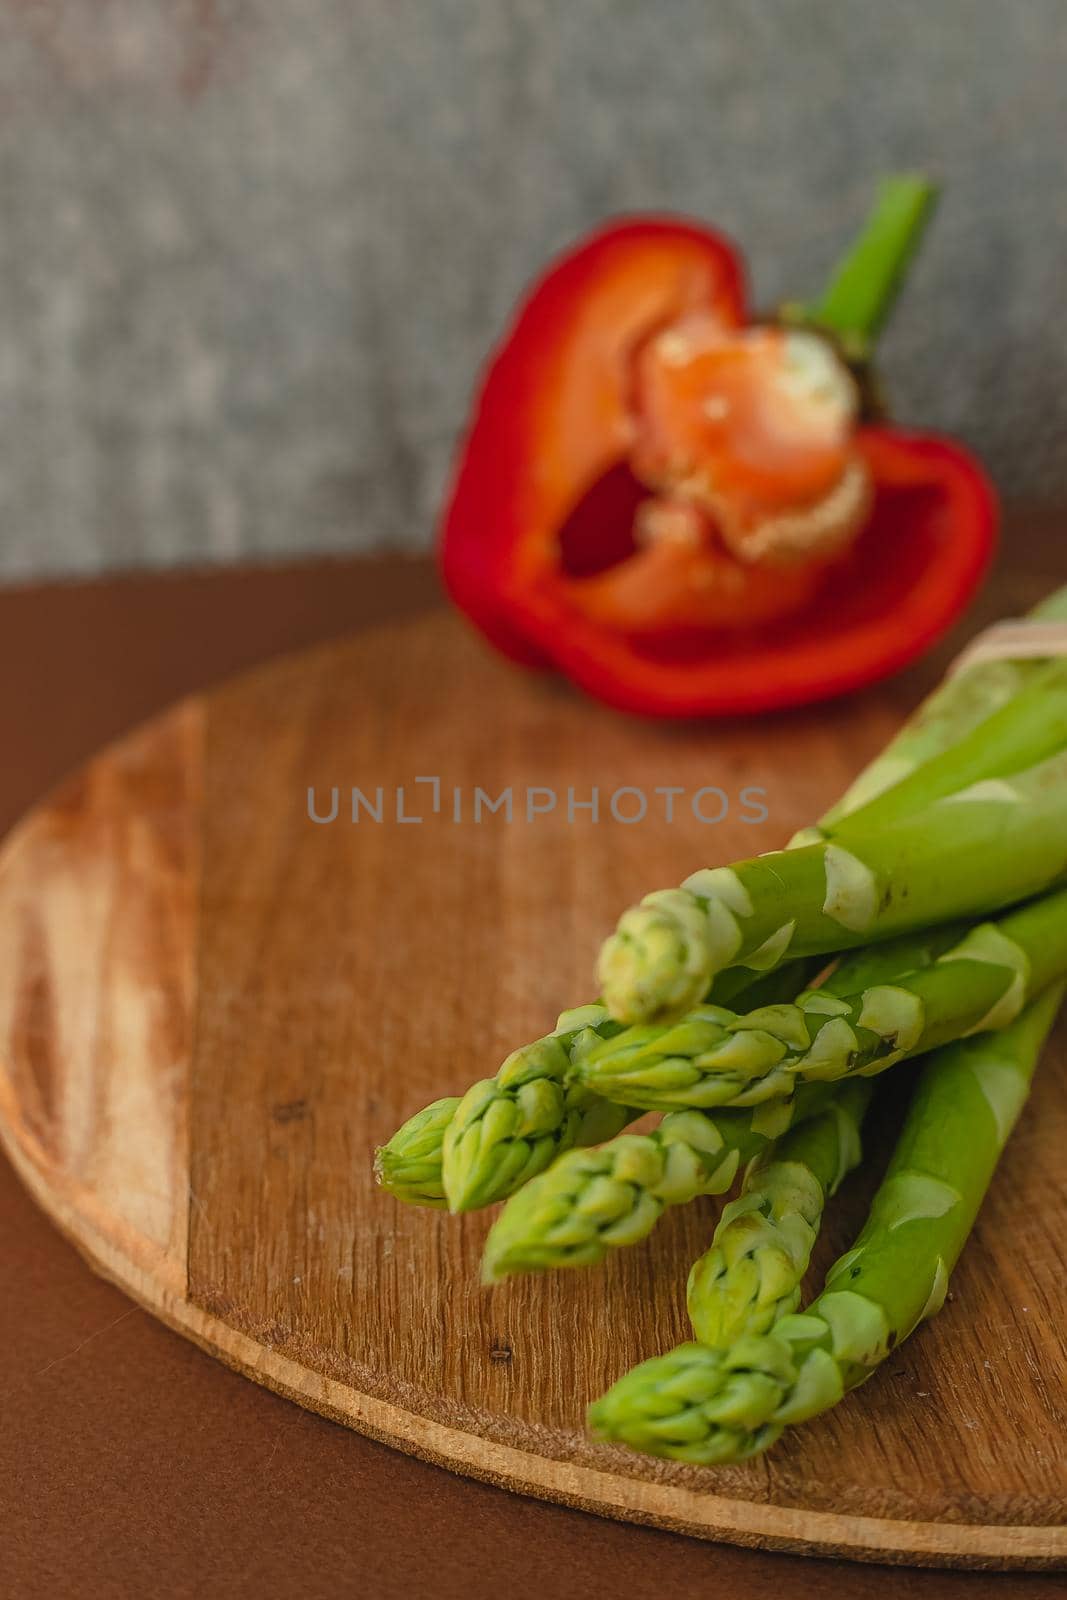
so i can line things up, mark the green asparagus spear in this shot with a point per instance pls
(760, 1252)
(592, 1201)
(825, 897)
(953, 711)
(716, 1058)
(589, 1202)
(1029, 729)
(714, 1406)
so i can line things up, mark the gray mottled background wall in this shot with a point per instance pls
(252, 253)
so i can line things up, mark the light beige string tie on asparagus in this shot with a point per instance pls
(1013, 640)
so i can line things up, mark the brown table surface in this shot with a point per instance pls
(132, 1464)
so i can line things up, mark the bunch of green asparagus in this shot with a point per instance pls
(755, 1006)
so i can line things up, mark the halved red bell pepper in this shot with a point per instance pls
(538, 543)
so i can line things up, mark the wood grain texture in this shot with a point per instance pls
(206, 1136)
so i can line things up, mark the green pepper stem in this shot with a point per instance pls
(865, 285)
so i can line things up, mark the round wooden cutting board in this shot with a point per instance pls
(213, 1008)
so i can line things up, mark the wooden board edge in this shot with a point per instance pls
(604, 1493)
